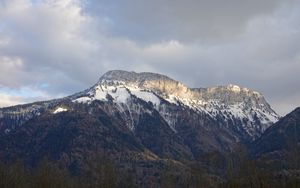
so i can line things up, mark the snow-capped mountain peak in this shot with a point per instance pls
(235, 104)
(239, 109)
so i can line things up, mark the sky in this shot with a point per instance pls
(53, 48)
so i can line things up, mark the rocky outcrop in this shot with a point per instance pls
(243, 110)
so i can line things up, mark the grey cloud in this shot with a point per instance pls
(201, 43)
(51, 44)
(265, 58)
(190, 20)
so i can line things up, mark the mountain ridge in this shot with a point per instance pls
(243, 109)
(142, 124)
(232, 101)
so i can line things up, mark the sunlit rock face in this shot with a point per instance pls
(237, 106)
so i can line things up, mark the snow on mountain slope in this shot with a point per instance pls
(59, 110)
(242, 110)
(233, 104)
(119, 93)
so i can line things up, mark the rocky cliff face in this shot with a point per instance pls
(239, 108)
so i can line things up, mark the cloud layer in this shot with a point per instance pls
(57, 47)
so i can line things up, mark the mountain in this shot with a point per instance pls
(243, 110)
(282, 137)
(145, 119)
(277, 151)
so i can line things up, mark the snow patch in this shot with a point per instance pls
(234, 88)
(120, 95)
(83, 100)
(146, 96)
(100, 94)
(59, 110)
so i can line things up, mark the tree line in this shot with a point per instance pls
(233, 170)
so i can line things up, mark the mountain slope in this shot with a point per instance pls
(244, 111)
(282, 136)
(142, 118)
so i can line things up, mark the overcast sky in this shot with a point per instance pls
(53, 48)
